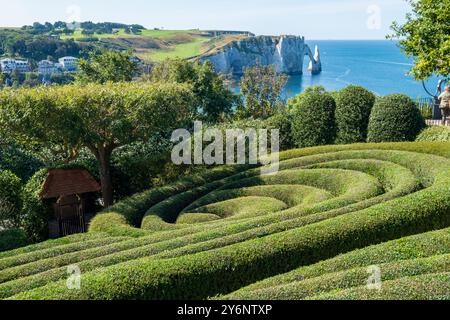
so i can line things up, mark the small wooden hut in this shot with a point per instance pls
(72, 196)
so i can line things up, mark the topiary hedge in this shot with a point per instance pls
(333, 200)
(353, 108)
(395, 118)
(435, 133)
(313, 122)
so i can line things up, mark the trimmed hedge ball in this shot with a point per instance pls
(313, 121)
(353, 108)
(395, 118)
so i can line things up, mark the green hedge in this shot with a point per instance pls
(12, 239)
(221, 256)
(400, 258)
(395, 118)
(353, 108)
(313, 121)
(435, 134)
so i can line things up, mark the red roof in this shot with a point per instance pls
(62, 182)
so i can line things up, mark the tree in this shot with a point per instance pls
(426, 36)
(106, 66)
(214, 99)
(100, 118)
(261, 89)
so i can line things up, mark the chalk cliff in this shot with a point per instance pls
(286, 53)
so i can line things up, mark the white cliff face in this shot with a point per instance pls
(286, 53)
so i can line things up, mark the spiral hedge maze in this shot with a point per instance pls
(309, 232)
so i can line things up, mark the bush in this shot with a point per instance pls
(435, 134)
(10, 202)
(395, 118)
(353, 107)
(313, 119)
(399, 258)
(34, 211)
(340, 198)
(12, 239)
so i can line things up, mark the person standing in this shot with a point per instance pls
(445, 104)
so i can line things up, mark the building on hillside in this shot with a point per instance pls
(47, 67)
(9, 65)
(69, 63)
(218, 33)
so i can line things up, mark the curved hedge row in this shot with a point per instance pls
(236, 227)
(411, 256)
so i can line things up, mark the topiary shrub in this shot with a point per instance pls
(353, 107)
(440, 134)
(10, 202)
(395, 118)
(313, 121)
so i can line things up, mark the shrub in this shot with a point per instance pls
(313, 120)
(10, 202)
(339, 272)
(435, 134)
(353, 107)
(395, 118)
(34, 211)
(352, 197)
(12, 239)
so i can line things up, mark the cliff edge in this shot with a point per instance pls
(286, 53)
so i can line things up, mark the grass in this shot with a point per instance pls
(309, 232)
(183, 51)
(175, 43)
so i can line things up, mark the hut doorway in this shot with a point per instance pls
(72, 194)
(70, 215)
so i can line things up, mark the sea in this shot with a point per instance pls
(380, 66)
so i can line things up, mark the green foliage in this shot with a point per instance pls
(12, 239)
(353, 107)
(100, 118)
(425, 36)
(215, 101)
(106, 66)
(435, 133)
(35, 213)
(400, 258)
(36, 47)
(261, 90)
(313, 121)
(19, 161)
(10, 202)
(395, 118)
(325, 201)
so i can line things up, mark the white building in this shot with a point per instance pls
(9, 65)
(69, 63)
(46, 67)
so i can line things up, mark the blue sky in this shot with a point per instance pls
(315, 19)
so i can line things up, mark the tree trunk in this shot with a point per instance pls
(104, 158)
